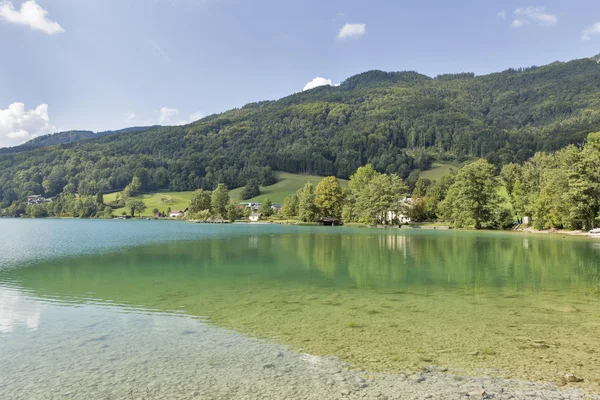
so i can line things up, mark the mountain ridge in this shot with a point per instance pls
(64, 137)
(398, 121)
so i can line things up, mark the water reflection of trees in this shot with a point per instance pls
(460, 259)
(374, 259)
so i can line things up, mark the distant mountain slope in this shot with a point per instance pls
(398, 121)
(65, 137)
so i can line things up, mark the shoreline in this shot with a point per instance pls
(432, 226)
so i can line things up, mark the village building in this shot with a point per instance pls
(253, 206)
(330, 221)
(176, 214)
(36, 199)
(255, 217)
(400, 217)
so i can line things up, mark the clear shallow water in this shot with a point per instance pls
(523, 306)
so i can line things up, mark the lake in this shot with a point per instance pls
(130, 309)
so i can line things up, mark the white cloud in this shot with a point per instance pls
(167, 117)
(318, 81)
(129, 116)
(18, 125)
(196, 116)
(533, 16)
(502, 14)
(352, 31)
(30, 14)
(166, 114)
(592, 30)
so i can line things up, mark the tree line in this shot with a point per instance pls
(554, 190)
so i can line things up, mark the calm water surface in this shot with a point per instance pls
(89, 297)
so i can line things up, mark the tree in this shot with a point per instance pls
(108, 212)
(201, 200)
(219, 200)
(348, 213)
(473, 198)
(133, 188)
(70, 188)
(135, 205)
(360, 179)
(412, 179)
(143, 178)
(329, 197)
(421, 187)
(307, 209)
(246, 212)
(584, 186)
(382, 195)
(290, 207)
(233, 211)
(265, 208)
(100, 198)
(251, 190)
(512, 178)
(37, 211)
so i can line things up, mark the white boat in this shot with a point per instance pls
(594, 232)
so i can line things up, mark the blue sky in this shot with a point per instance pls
(108, 64)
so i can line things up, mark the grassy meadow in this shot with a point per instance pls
(439, 170)
(286, 185)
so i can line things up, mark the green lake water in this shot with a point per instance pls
(503, 304)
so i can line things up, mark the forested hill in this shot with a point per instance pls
(397, 121)
(66, 137)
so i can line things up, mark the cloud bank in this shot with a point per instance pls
(30, 14)
(592, 30)
(18, 125)
(167, 116)
(318, 81)
(536, 16)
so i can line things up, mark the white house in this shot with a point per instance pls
(252, 206)
(176, 213)
(400, 216)
(36, 199)
(255, 217)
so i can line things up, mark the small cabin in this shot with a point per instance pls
(330, 221)
(175, 214)
(255, 217)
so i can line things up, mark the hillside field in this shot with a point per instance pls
(439, 170)
(286, 185)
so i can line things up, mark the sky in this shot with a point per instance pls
(110, 64)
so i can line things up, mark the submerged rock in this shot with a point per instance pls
(570, 378)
